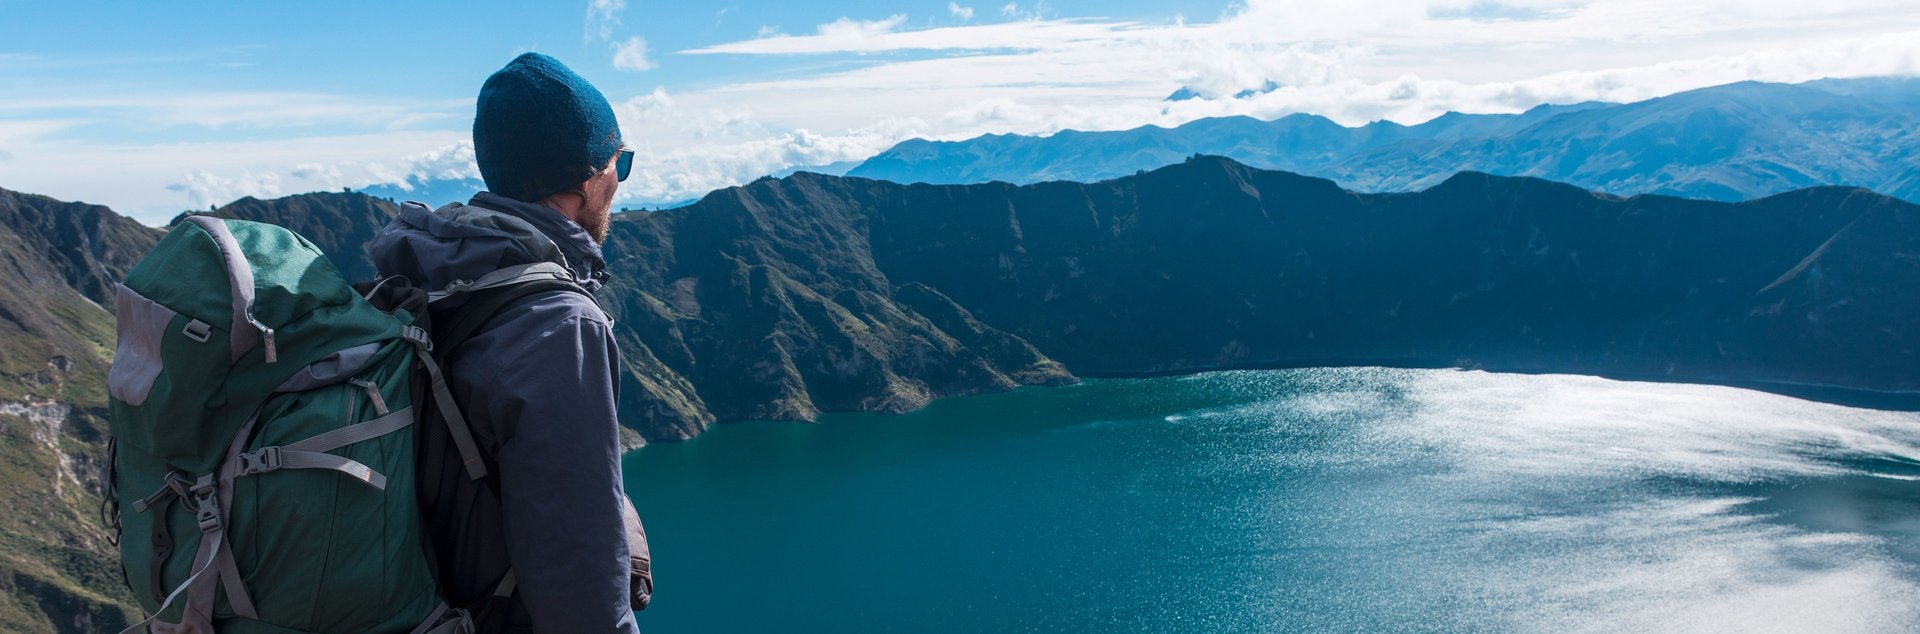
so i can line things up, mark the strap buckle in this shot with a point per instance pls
(419, 336)
(197, 330)
(206, 509)
(176, 486)
(258, 462)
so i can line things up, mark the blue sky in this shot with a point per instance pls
(153, 108)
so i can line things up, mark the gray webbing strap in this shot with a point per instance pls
(373, 396)
(506, 585)
(317, 460)
(460, 622)
(462, 625)
(212, 498)
(311, 453)
(449, 410)
(242, 601)
(505, 277)
(153, 623)
(200, 597)
(350, 434)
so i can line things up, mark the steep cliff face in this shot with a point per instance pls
(764, 309)
(1213, 264)
(56, 341)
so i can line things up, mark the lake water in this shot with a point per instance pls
(1356, 500)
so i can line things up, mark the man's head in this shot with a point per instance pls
(543, 134)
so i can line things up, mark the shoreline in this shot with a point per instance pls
(1820, 393)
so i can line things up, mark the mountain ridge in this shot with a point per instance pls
(1538, 193)
(1733, 142)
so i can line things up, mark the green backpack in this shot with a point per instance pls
(262, 413)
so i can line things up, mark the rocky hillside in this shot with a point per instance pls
(57, 570)
(768, 307)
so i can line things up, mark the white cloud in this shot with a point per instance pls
(964, 13)
(603, 16)
(632, 55)
(1403, 59)
(318, 172)
(1013, 10)
(245, 110)
(153, 182)
(205, 188)
(842, 35)
(856, 33)
(645, 107)
(848, 36)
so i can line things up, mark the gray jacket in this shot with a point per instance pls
(538, 385)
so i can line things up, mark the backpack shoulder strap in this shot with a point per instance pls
(483, 303)
(509, 276)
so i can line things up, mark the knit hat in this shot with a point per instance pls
(540, 129)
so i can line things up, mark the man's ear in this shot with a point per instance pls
(569, 201)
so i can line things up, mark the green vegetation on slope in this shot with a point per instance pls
(58, 572)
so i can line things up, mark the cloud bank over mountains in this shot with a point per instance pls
(870, 81)
(1388, 59)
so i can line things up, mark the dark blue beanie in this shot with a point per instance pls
(540, 129)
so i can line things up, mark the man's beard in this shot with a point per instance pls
(599, 224)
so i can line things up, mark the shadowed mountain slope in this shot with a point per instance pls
(1212, 264)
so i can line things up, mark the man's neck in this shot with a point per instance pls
(568, 205)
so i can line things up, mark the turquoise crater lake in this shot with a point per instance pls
(1358, 499)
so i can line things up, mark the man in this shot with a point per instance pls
(537, 380)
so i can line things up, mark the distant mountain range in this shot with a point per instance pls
(435, 192)
(788, 297)
(1729, 143)
(432, 191)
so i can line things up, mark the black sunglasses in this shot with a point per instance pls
(623, 166)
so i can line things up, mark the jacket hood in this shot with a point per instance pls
(490, 232)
